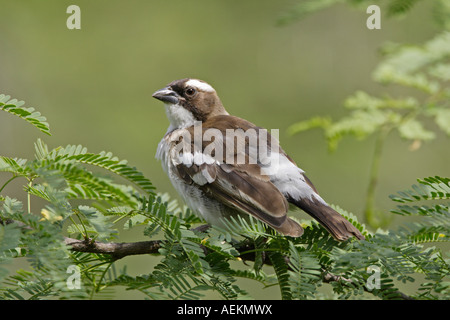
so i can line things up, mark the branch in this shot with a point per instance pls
(123, 249)
(120, 250)
(116, 250)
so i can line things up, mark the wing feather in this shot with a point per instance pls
(240, 186)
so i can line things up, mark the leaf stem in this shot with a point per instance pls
(85, 234)
(370, 214)
(6, 183)
(30, 184)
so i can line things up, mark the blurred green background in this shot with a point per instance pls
(94, 85)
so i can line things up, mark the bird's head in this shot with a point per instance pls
(189, 100)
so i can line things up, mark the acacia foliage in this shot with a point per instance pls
(82, 202)
(419, 112)
(423, 69)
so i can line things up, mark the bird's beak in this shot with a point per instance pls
(166, 95)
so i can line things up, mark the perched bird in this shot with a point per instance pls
(225, 166)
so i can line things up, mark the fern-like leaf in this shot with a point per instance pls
(103, 160)
(400, 7)
(14, 107)
(431, 188)
(280, 266)
(305, 274)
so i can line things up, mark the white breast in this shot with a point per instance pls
(209, 209)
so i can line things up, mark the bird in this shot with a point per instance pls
(224, 166)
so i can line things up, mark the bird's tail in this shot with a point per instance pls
(339, 227)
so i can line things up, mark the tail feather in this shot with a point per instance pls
(339, 227)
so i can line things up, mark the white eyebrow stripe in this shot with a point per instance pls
(203, 86)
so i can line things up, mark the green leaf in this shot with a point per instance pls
(9, 237)
(414, 130)
(100, 223)
(316, 122)
(33, 117)
(41, 149)
(441, 71)
(281, 270)
(106, 161)
(301, 9)
(362, 100)
(400, 7)
(305, 274)
(434, 188)
(14, 165)
(442, 119)
(360, 124)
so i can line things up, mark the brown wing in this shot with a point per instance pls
(242, 192)
(240, 186)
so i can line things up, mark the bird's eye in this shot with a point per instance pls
(190, 92)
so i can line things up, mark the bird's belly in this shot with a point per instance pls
(203, 205)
